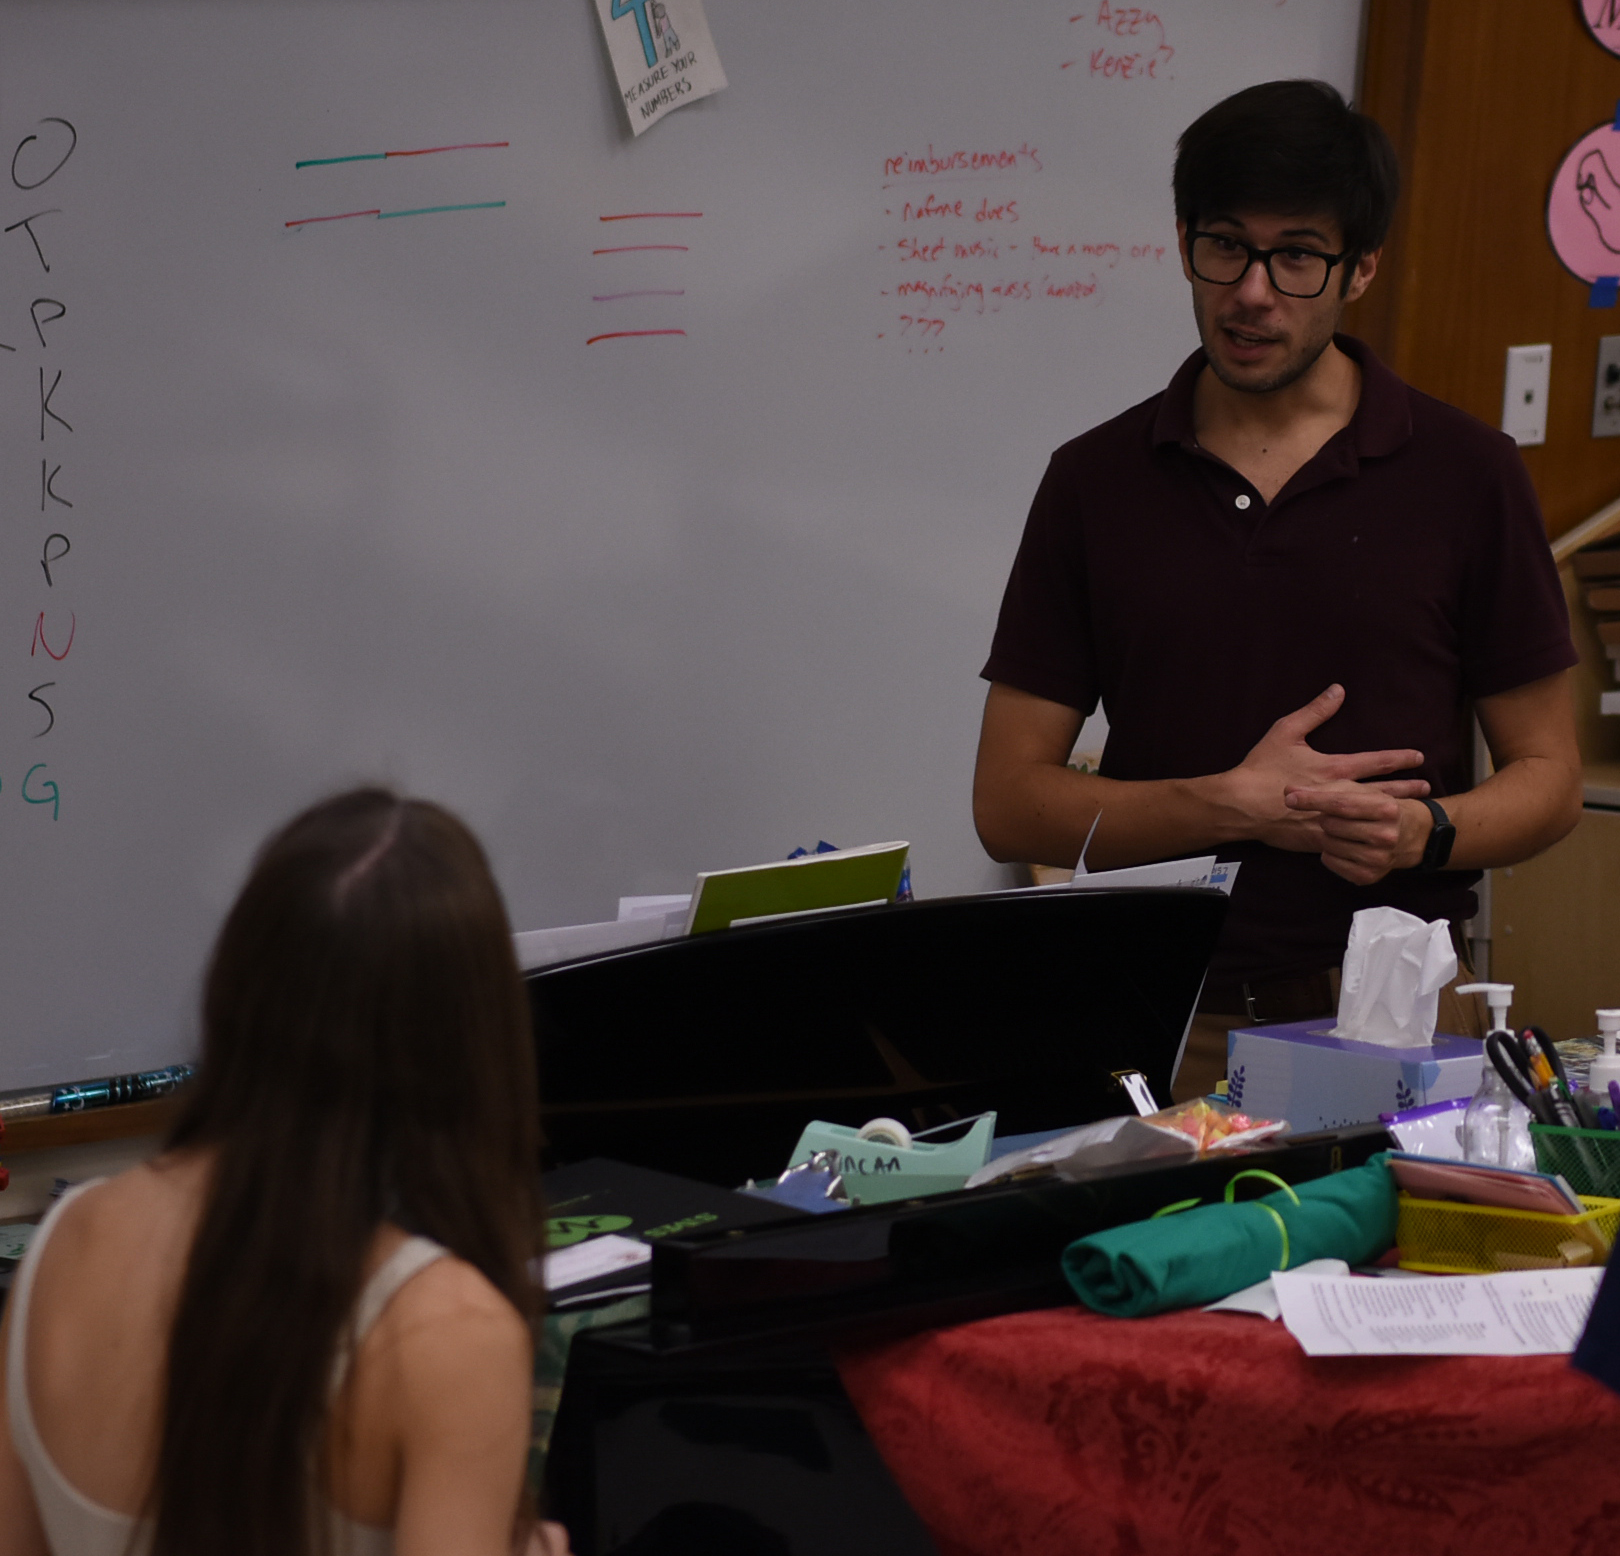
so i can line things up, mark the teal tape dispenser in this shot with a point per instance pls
(883, 1160)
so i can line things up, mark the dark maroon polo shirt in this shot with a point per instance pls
(1407, 561)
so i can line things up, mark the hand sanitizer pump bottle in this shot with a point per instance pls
(1606, 1067)
(1496, 1127)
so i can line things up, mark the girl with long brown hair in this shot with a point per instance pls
(305, 1326)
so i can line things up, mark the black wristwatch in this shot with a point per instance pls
(1438, 849)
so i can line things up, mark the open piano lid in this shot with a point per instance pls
(707, 1055)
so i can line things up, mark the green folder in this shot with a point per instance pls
(1199, 1256)
(845, 878)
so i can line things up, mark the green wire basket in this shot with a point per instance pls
(1589, 1159)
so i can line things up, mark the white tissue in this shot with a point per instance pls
(1394, 969)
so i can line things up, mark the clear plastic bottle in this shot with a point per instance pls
(1496, 1127)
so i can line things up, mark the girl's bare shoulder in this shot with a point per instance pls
(140, 1220)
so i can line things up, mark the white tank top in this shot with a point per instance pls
(77, 1526)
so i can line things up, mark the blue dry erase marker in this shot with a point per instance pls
(140, 1087)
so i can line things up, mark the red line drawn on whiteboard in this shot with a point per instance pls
(433, 151)
(343, 217)
(382, 216)
(383, 156)
(642, 248)
(642, 216)
(629, 335)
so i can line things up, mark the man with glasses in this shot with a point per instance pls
(1287, 578)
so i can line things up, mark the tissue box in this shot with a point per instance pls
(1295, 1070)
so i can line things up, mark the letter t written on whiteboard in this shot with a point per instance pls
(662, 56)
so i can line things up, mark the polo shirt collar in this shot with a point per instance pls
(1381, 424)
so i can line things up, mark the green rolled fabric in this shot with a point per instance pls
(1202, 1255)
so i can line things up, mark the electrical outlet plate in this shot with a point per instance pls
(1606, 394)
(1524, 393)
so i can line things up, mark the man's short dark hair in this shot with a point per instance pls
(1289, 148)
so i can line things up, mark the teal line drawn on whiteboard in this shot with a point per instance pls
(53, 799)
(419, 151)
(433, 210)
(362, 156)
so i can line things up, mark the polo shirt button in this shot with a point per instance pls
(1243, 499)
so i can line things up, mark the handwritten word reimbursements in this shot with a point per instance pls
(49, 623)
(967, 239)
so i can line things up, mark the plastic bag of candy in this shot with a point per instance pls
(1188, 1131)
(1213, 1125)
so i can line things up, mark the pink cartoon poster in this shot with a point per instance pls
(1602, 18)
(1583, 211)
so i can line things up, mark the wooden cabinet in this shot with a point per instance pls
(1556, 928)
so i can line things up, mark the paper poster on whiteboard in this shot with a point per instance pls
(1602, 18)
(662, 56)
(1583, 211)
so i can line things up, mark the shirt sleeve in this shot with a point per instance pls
(1515, 626)
(1043, 641)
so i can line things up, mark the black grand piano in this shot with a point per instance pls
(708, 1055)
(717, 1423)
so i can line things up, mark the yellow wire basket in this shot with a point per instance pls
(1447, 1238)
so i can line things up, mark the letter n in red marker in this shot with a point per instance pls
(39, 637)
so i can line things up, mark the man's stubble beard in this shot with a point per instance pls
(1303, 359)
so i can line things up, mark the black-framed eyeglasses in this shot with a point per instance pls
(1223, 260)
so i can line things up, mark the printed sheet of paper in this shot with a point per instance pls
(662, 55)
(1171, 872)
(537, 948)
(1261, 1298)
(600, 1256)
(1518, 1313)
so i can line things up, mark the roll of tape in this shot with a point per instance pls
(886, 1131)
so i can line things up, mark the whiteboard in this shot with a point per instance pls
(415, 498)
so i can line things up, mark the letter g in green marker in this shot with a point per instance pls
(53, 799)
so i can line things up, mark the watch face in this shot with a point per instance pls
(1438, 849)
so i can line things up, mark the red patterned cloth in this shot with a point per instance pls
(1212, 1434)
